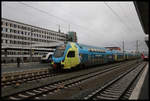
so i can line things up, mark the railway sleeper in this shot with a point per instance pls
(30, 93)
(111, 92)
(106, 98)
(109, 95)
(14, 98)
(48, 88)
(42, 89)
(22, 95)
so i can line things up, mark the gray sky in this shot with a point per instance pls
(96, 23)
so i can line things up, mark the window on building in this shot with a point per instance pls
(3, 35)
(3, 23)
(7, 36)
(18, 32)
(10, 30)
(15, 25)
(22, 27)
(10, 25)
(28, 28)
(3, 29)
(15, 31)
(6, 29)
(11, 42)
(6, 24)
(5, 41)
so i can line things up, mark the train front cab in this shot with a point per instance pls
(70, 57)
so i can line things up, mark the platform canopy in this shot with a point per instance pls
(142, 8)
(48, 45)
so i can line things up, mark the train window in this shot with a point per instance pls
(71, 54)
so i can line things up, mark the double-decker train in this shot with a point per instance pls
(74, 55)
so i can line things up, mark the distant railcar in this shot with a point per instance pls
(46, 58)
(145, 56)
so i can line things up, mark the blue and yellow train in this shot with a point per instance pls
(70, 55)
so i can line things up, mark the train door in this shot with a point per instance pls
(115, 57)
(70, 58)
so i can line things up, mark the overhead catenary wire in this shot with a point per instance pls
(59, 24)
(126, 15)
(116, 15)
(86, 29)
(53, 15)
(135, 13)
(47, 13)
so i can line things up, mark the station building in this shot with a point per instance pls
(72, 36)
(22, 40)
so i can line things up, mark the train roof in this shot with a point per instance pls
(88, 46)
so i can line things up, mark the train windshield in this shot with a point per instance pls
(59, 51)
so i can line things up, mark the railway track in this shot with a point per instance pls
(117, 88)
(25, 76)
(59, 85)
(14, 78)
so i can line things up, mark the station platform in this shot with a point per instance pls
(12, 67)
(141, 90)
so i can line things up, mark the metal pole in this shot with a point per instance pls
(22, 48)
(137, 46)
(123, 48)
(137, 49)
(69, 28)
(31, 47)
(59, 28)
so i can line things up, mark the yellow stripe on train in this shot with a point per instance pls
(71, 61)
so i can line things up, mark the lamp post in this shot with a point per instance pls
(123, 49)
(31, 46)
(22, 48)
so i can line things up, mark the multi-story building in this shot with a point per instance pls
(18, 40)
(72, 36)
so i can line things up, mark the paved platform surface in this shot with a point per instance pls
(11, 67)
(141, 91)
(144, 94)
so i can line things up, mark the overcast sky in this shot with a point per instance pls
(96, 23)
